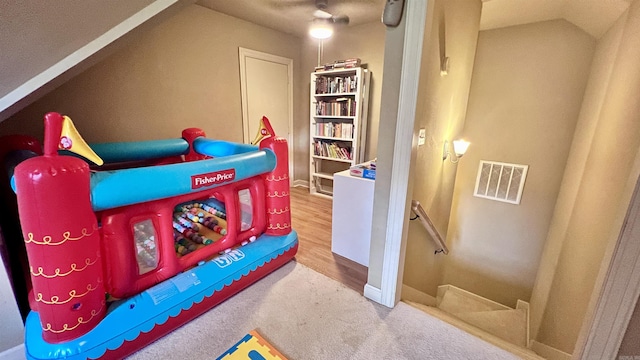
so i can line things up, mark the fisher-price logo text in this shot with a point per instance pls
(214, 178)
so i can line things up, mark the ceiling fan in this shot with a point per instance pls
(323, 21)
(322, 13)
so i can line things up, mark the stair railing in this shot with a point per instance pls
(441, 247)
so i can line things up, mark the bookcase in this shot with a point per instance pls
(338, 124)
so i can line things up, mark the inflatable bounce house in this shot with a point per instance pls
(157, 233)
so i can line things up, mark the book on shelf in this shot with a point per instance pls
(337, 130)
(351, 63)
(332, 149)
(337, 107)
(336, 84)
(338, 64)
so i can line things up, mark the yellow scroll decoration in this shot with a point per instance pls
(276, 195)
(66, 236)
(279, 227)
(58, 273)
(81, 321)
(278, 212)
(73, 294)
(279, 178)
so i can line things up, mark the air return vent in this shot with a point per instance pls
(500, 181)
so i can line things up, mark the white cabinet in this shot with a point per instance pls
(338, 124)
(352, 214)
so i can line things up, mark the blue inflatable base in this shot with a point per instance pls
(127, 319)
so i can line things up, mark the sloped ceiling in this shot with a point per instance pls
(595, 17)
(46, 41)
(36, 34)
(293, 16)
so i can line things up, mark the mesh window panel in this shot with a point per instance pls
(146, 246)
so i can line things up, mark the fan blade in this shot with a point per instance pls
(322, 4)
(340, 19)
(322, 14)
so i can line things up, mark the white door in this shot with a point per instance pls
(267, 90)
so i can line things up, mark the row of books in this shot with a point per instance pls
(337, 130)
(332, 149)
(336, 84)
(339, 64)
(337, 107)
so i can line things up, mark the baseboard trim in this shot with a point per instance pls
(301, 183)
(15, 353)
(373, 293)
(548, 352)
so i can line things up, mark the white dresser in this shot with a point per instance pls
(352, 214)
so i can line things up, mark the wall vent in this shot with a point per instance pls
(500, 181)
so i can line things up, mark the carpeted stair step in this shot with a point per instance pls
(521, 351)
(455, 300)
(509, 325)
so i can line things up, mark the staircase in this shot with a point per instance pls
(497, 319)
(494, 322)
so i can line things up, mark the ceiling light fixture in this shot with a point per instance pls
(321, 29)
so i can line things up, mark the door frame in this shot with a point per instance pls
(398, 178)
(245, 53)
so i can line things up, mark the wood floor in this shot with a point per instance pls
(311, 219)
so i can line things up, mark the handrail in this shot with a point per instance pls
(428, 225)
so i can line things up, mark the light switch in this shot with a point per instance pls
(421, 136)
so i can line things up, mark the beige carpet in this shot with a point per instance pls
(306, 315)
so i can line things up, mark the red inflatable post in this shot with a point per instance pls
(276, 182)
(62, 239)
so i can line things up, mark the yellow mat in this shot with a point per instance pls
(252, 347)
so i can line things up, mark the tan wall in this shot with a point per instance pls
(527, 89)
(602, 65)
(602, 197)
(362, 41)
(452, 30)
(630, 345)
(182, 73)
